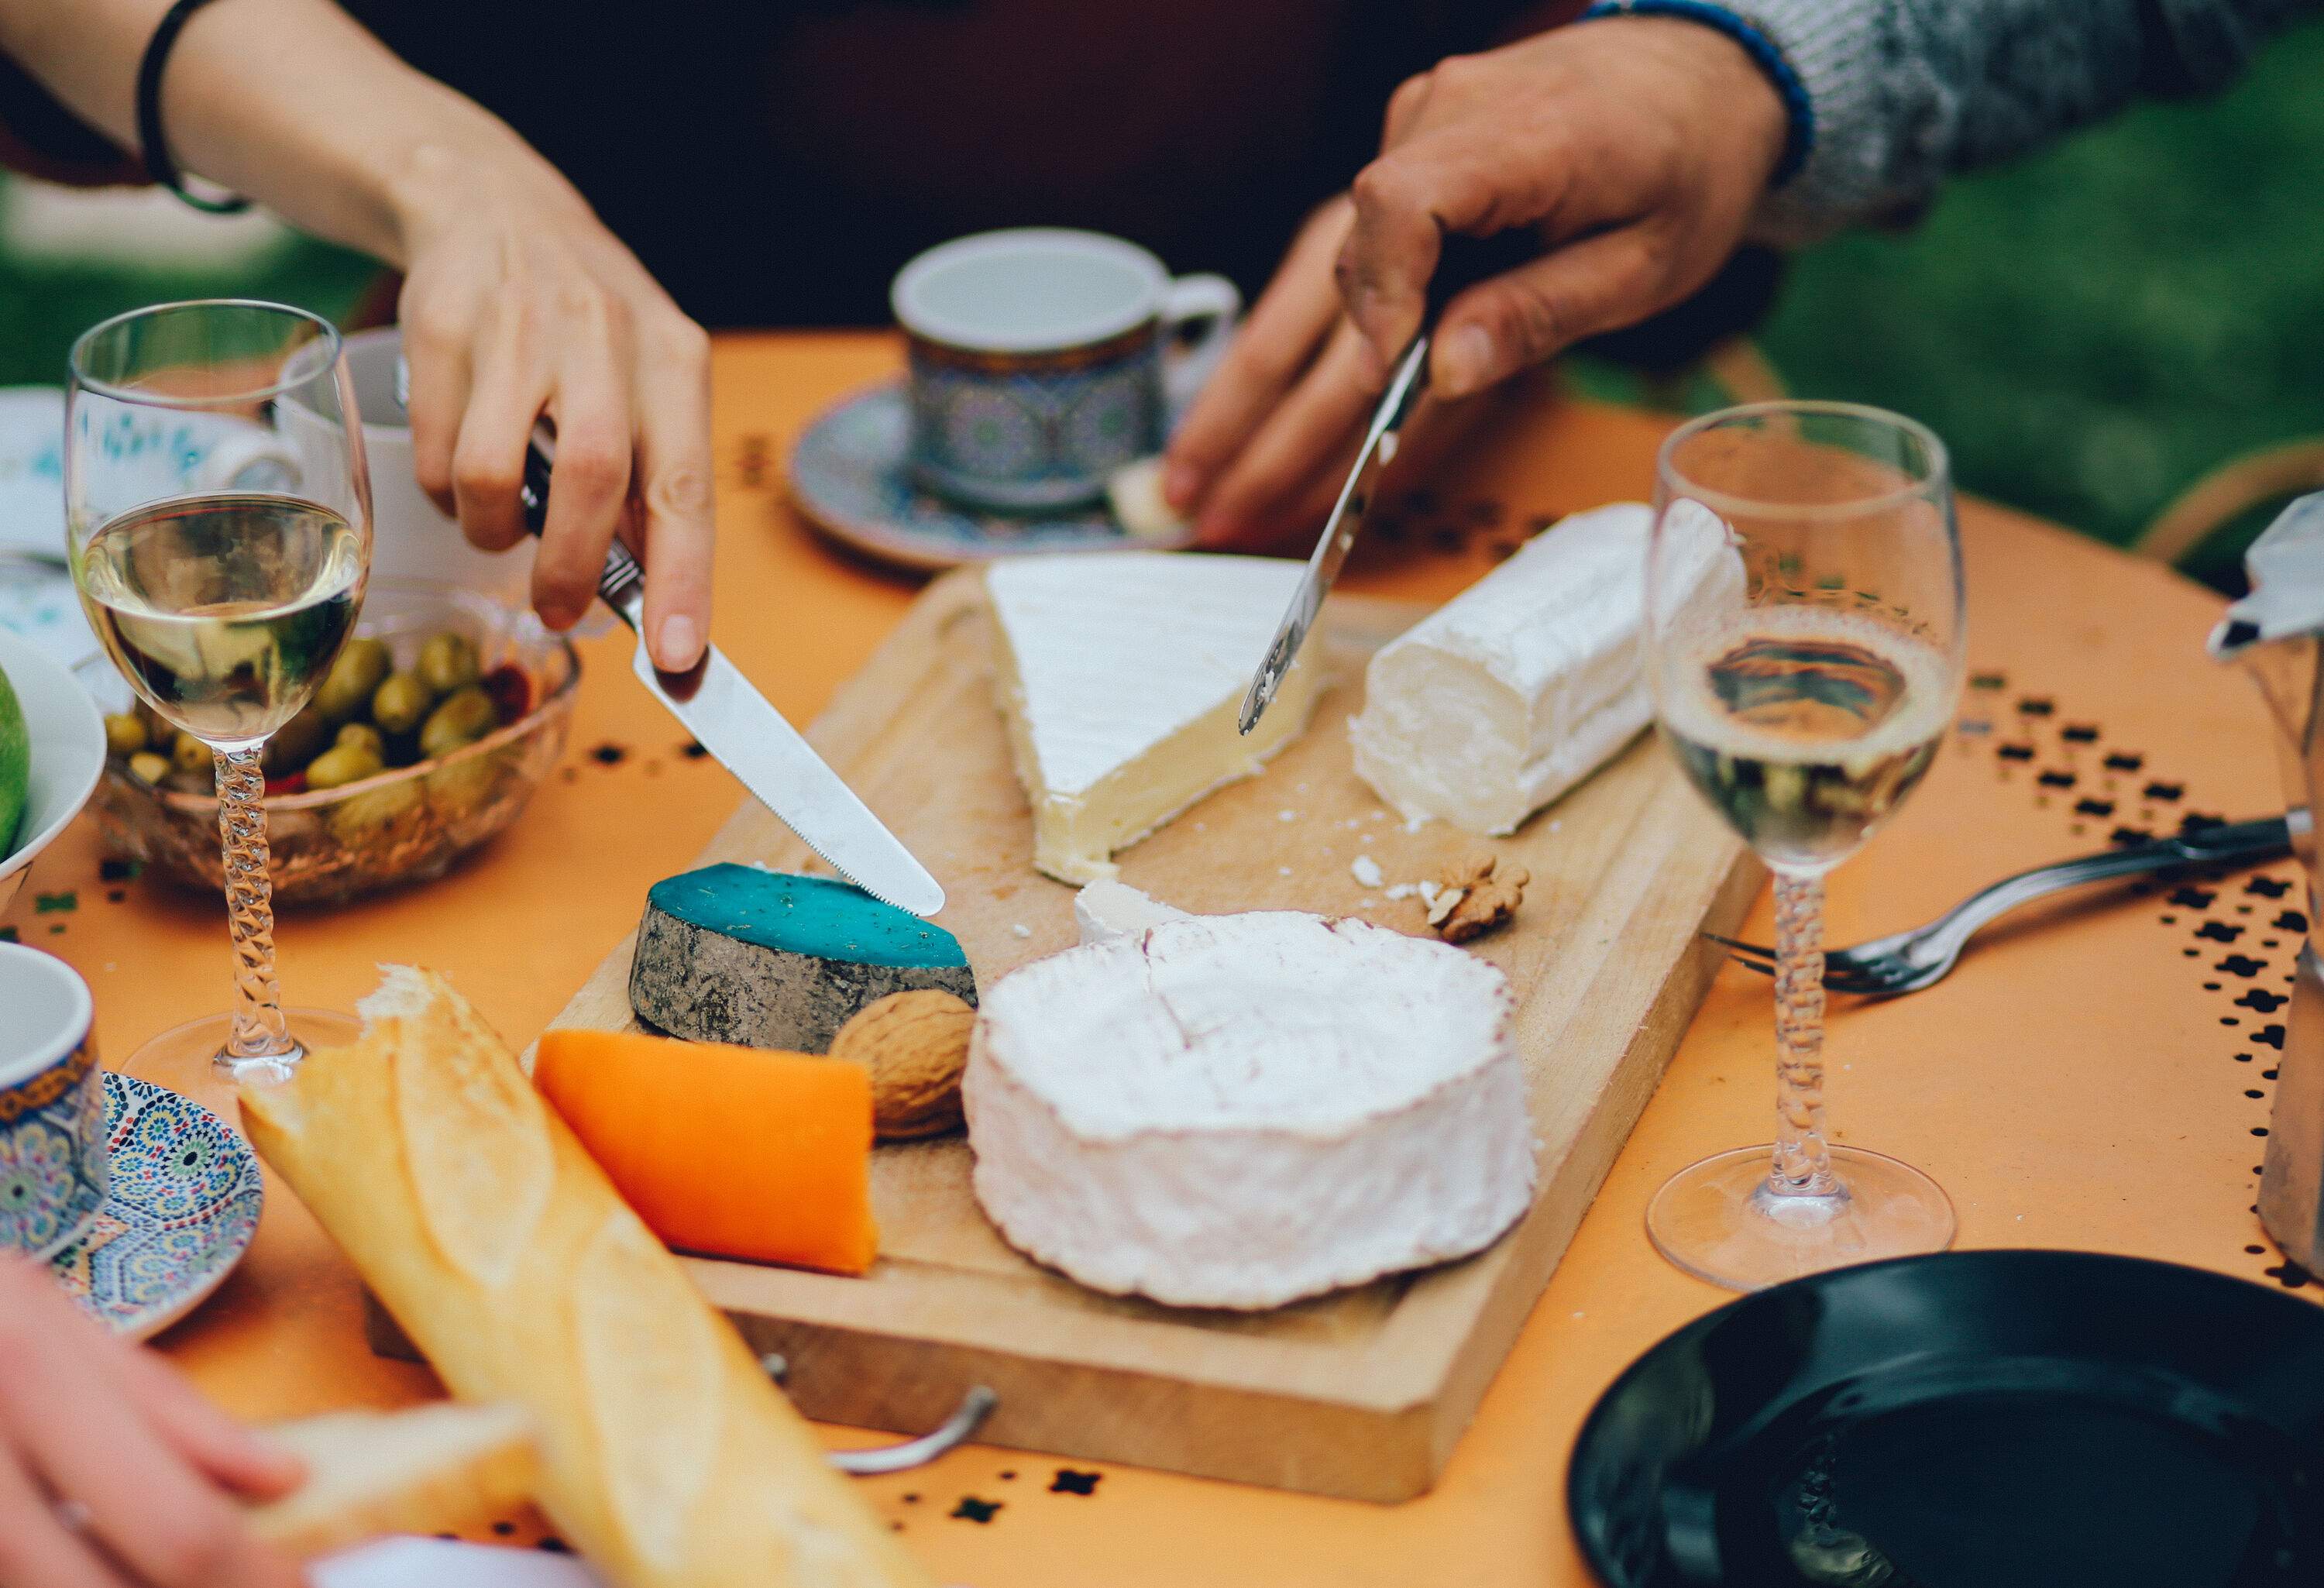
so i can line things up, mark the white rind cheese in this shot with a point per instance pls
(1120, 674)
(1240, 1111)
(1520, 686)
(1105, 911)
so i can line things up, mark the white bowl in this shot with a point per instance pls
(68, 753)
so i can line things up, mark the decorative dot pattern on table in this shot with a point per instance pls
(2198, 894)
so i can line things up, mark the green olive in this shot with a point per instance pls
(401, 704)
(124, 733)
(448, 661)
(465, 718)
(296, 742)
(377, 815)
(363, 665)
(190, 755)
(149, 767)
(342, 764)
(363, 736)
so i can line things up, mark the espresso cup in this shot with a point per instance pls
(411, 537)
(1043, 360)
(52, 1151)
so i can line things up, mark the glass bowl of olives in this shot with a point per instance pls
(429, 734)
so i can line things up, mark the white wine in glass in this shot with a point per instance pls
(221, 557)
(1804, 627)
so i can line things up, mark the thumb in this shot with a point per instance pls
(1526, 316)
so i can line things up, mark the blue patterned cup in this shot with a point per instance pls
(52, 1157)
(1043, 360)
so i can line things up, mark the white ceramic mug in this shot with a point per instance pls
(54, 1169)
(1045, 359)
(412, 539)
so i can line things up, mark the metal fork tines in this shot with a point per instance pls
(1908, 961)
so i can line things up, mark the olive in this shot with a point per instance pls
(342, 764)
(124, 733)
(465, 718)
(148, 766)
(376, 815)
(363, 736)
(363, 665)
(296, 742)
(190, 755)
(448, 661)
(400, 703)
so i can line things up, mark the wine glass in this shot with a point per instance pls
(1804, 618)
(220, 554)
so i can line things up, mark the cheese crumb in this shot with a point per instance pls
(1402, 890)
(1286, 816)
(1413, 824)
(1021, 929)
(1555, 826)
(1367, 871)
(1283, 870)
(1429, 888)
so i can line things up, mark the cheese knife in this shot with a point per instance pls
(1462, 263)
(730, 718)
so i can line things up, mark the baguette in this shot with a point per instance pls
(428, 1470)
(668, 1457)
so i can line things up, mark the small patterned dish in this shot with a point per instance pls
(181, 1211)
(849, 475)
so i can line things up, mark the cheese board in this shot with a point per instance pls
(1361, 1393)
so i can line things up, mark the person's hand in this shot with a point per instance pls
(1636, 146)
(517, 302)
(113, 1472)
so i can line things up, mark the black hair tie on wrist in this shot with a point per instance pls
(158, 164)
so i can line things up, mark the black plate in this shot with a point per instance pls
(1977, 1420)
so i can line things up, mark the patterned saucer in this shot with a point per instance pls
(180, 1212)
(848, 476)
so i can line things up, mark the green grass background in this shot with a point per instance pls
(2091, 330)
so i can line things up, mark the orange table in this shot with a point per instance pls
(2097, 1080)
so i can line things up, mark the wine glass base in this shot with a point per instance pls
(1718, 1220)
(190, 1058)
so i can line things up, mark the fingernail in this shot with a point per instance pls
(1467, 360)
(556, 615)
(1181, 483)
(680, 644)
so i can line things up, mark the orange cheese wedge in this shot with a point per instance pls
(727, 1151)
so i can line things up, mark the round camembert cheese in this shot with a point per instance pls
(1239, 1111)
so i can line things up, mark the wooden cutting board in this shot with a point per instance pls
(1360, 1394)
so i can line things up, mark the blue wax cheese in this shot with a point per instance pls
(767, 959)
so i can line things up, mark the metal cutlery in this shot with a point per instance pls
(1907, 962)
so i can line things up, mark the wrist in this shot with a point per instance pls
(461, 163)
(1774, 97)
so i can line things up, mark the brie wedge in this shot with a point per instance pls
(1523, 684)
(1105, 911)
(1121, 674)
(1239, 1111)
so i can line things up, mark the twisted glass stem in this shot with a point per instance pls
(260, 1032)
(1802, 1165)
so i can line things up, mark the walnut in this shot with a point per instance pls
(1474, 899)
(915, 1045)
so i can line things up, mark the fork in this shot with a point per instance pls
(1907, 962)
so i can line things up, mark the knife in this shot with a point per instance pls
(729, 718)
(1462, 263)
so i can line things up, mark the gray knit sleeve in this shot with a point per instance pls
(1905, 92)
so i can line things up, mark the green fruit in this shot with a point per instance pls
(191, 755)
(342, 764)
(124, 733)
(465, 718)
(448, 661)
(296, 742)
(149, 767)
(15, 765)
(363, 735)
(377, 815)
(361, 668)
(401, 704)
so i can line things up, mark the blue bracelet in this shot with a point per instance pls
(1799, 111)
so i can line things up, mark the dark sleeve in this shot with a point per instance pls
(40, 138)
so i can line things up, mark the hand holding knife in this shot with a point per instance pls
(1462, 263)
(728, 715)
